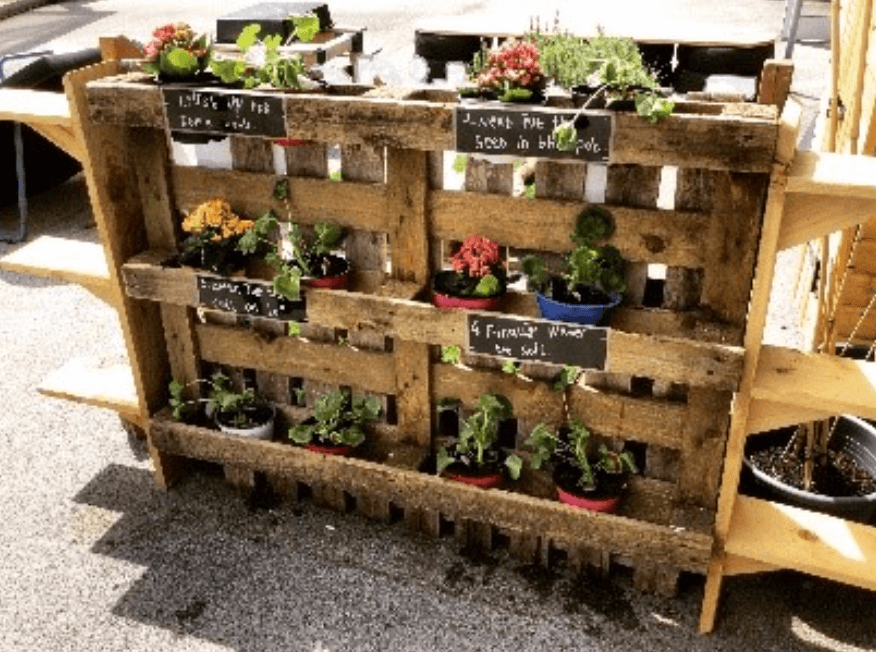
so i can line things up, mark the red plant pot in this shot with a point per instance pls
(328, 282)
(292, 142)
(464, 303)
(488, 481)
(330, 450)
(604, 505)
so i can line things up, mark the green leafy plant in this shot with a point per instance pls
(460, 163)
(309, 258)
(612, 66)
(475, 447)
(175, 51)
(511, 367)
(338, 420)
(593, 271)
(566, 376)
(262, 63)
(237, 409)
(574, 449)
(306, 26)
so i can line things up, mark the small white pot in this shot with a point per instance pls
(264, 431)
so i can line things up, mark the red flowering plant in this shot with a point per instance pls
(513, 72)
(176, 52)
(475, 270)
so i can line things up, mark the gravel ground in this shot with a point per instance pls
(96, 559)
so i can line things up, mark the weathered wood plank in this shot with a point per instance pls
(681, 548)
(354, 205)
(641, 234)
(728, 139)
(317, 361)
(702, 451)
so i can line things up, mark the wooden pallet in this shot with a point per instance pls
(673, 358)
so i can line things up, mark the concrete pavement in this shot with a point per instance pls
(95, 559)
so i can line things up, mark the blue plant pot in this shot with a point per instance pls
(574, 313)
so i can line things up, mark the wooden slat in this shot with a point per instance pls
(714, 142)
(768, 415)
(638, 419)
(63, 259)
(836, 175)
(809, 216)
(691, 325)
(145, 278)
(667, 237)
(354, 205)
(790, 537)
(816, 381)
(318, 361)
(97, 382)
(35, 107)
(725, 141)
(775, 82)
(683, 548)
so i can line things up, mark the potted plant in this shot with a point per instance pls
(313, 261)
(238, 413)
(510, 73)
(603, 68)
(214, 231)
(336, 425)
(584, 480)
(476, 278)
(832, 472)
(474, 457)
(593, 283)
(176, 54)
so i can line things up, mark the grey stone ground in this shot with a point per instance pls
(93, 558)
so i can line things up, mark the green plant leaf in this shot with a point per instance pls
(288, 283)
(515, 465)
(351, 436)
(281, 189)
(566, 136)
(329, 407)
(510, 367)
(488, 286)
(248, 36)
(566, 376)
(366, 408)
(301, 434)
(306, 27)
(443, 459)
(536, 271)
(179, 63)
(460, 163)
(450, 354)
(294, 329)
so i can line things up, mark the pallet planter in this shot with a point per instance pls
(672, 355)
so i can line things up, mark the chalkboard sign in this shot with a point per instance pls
(537, 340)
(245, 298)
(528, 131)
(224, 112)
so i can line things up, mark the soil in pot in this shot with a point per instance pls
(843, 482)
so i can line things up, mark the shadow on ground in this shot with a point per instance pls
(258, 575)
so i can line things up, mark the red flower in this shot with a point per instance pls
(476, 257)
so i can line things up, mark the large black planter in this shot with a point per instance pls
(854, 437)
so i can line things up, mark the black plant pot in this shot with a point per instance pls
(856, 439)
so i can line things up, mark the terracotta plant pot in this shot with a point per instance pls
(603, 505)
(487, 481)
(465, 303)
(328, 282)
(327, 449)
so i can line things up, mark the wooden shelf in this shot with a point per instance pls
(790, 537)
(650, 524)
(63, 259)
(92, 381)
